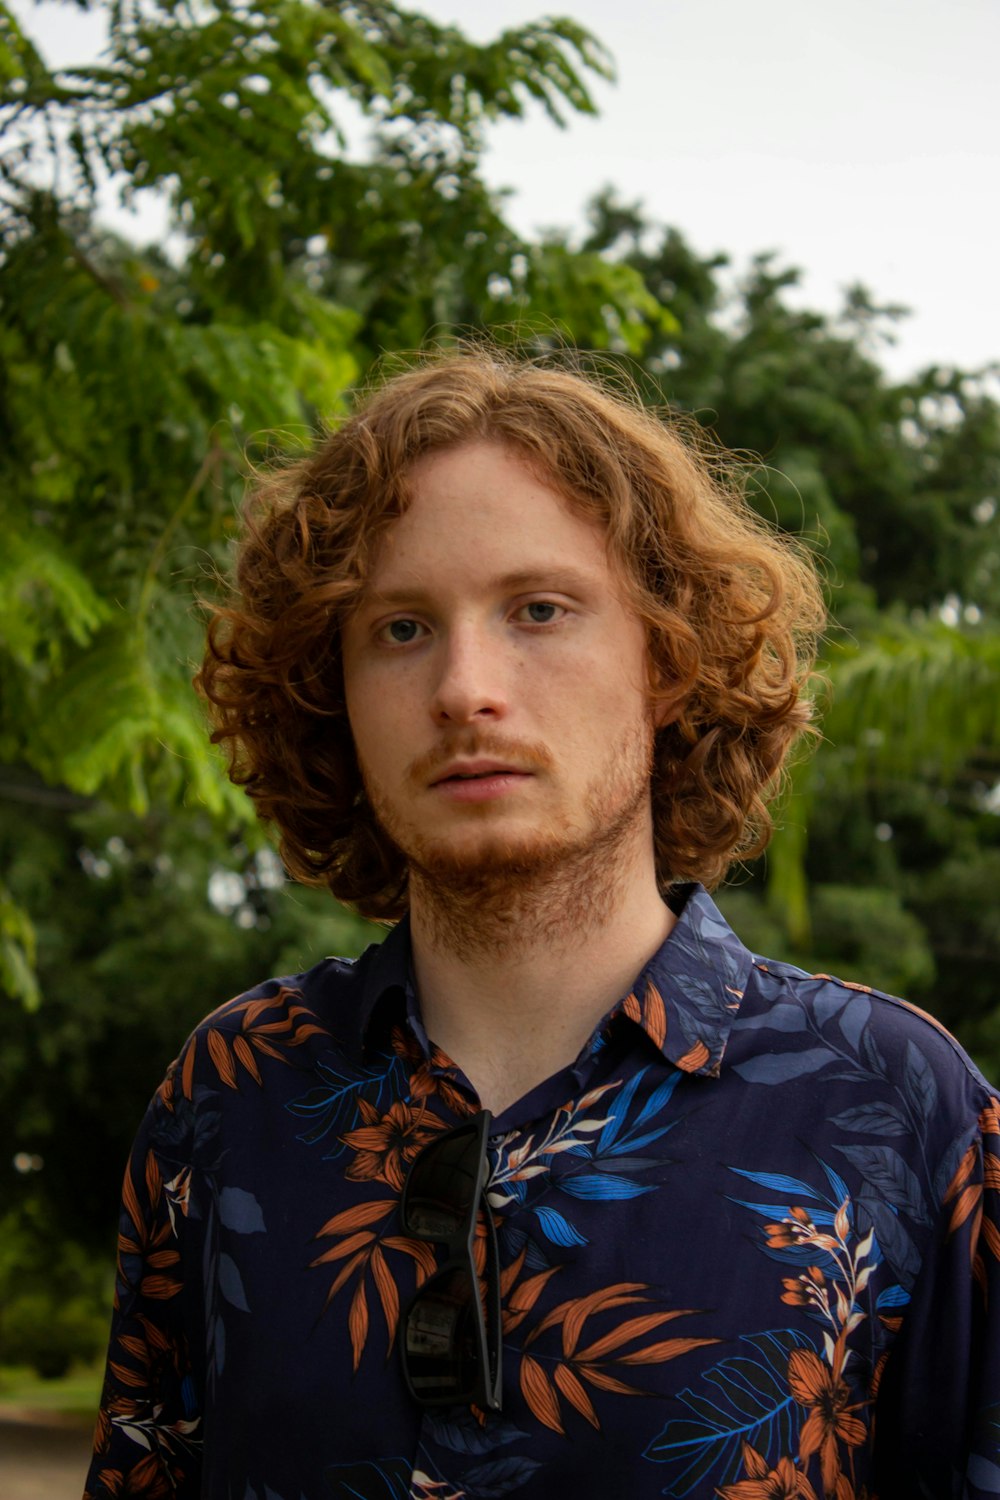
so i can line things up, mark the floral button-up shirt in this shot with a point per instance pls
(749, 1249)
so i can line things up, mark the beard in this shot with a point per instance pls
(489, 893)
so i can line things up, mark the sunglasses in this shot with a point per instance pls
(451, 1330)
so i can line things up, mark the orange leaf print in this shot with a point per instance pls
(344, 1274)
(346, 1247)
(127, 1376)
(539, 1394)
(632, 1008)
(187, 1072)
(421, 1253)
(161, 1258)
(160, 1287)
(510, 1273)
(219, 1053)
(696, 1057)
(134, 1346)
(357, 1321)
(582, 1307)
(155, 1337)
(634, 1328)
(605, 1382)
(657, 1354)
(357, 1217)
(131, 1201)
(576, 1395)
(991, 1234)
(388, 1295)
(989, 1119)
(991, 1173)
(254, 1008)
(654, 1014)
(244, 1052)
(265, 1047)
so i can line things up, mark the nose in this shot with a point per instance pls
(470, 684)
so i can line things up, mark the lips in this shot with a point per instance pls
(477, 770)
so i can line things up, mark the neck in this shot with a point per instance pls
(514, 973)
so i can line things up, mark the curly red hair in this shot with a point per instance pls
(732, 610)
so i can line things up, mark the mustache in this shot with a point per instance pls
(521, 755)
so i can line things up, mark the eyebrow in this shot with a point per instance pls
(559, 578)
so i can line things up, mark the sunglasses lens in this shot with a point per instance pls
(442, 1188)
(442, 1333)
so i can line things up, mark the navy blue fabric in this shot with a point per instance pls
(749, 1246)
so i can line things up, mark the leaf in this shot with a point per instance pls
(244, 1052)
(784, 1016)
(363, 1238)
(656, 1354)
(388, 1295)
(231, 1283)
(632, 1328)
(462, 1433)
(357, 1217)
(872, 1119)
(603, 1187)
(558, 1229)
(919, 1082)
(781, 1067)
(357, 1321)
(778, 1183)
(491, 1480)
(239, 1210)
(388, 1479)
(575, 1394)
(887, 1172)
(220, 1055)
(854, 1018)
(894, 1242)
(538, 1393)
(748, 1401)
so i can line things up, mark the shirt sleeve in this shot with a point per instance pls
(938, 1408)
(148, 1436)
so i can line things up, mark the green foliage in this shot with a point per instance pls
(54, 1295)
(135, 382)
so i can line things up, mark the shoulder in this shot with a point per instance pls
(286, 1019)
(882, 1065)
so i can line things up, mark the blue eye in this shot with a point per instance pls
(402, 632)
(541, 612)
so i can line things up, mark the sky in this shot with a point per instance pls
(859, 139)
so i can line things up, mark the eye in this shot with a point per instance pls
(541, 612)
(400, 632)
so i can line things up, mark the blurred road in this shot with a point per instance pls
(39, 1462)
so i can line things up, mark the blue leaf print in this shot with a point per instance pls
(829, 1003)
(603, 1186)
(333, 1107)
(889, 1175)
(778, 1067)
(837, 1184)
(231, 1283)
(463, 1434)
(872, 1119)
(240, 1211)
(873, 1057)
(984, 1474)
(618, 1109)
(919, 1082)
(781, 1017)
(854, 1018)
(499, 1477)
(659, 1097)
(557, 1229)
(751, 1403)
(893, 1296)
(778, 1183)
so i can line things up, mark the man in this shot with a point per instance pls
(560, 1191)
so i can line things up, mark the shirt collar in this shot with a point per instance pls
(687, 996)
(685, 999)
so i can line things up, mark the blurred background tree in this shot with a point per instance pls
(136, 382)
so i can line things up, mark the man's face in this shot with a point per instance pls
(496, 683)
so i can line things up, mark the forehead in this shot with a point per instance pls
(481, 510)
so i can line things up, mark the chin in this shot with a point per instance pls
(486, 854)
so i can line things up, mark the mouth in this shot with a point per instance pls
(476, 771)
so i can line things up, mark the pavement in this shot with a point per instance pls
(42, 1457)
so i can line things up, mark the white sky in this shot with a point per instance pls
(859, 138)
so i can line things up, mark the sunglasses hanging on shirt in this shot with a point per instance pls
(451, 1328)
